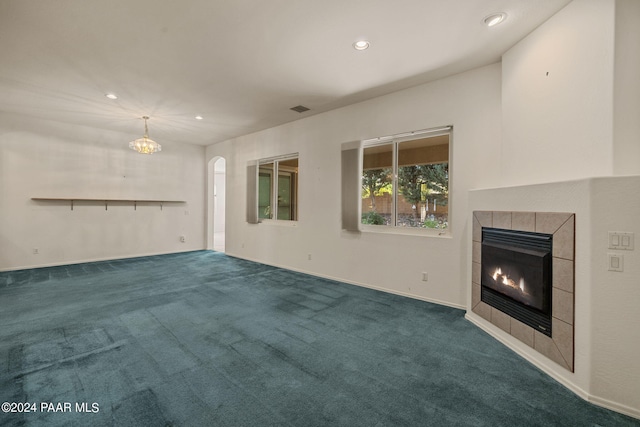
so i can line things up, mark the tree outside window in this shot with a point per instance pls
(405, 182)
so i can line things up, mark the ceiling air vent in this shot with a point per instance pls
(299, 108)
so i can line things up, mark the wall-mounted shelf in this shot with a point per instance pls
(105, 201)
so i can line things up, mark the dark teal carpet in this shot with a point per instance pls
(202, 339)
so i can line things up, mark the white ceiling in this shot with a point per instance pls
(239, 63)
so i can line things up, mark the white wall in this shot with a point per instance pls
(615, 335)
(469, 101)
(559, 126)
(46, 159)
(626, 154)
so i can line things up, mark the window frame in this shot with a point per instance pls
(276, 171)
(395, 141)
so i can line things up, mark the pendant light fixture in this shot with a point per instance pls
(145, 145)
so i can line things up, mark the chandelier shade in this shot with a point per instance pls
(145, 145)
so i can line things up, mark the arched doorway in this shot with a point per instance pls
(216, 208)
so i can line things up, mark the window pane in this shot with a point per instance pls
(423, 182)
(265, 189)
(284, 197)
(377, 185)
(287, 189)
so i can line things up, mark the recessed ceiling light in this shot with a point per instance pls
(111, 96)
(495, 19)
(361, 45)
(199, 117)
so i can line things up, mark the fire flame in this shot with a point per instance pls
(499, 277)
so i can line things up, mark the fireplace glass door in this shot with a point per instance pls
(516, 275)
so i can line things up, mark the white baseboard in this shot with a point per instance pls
(614, 406)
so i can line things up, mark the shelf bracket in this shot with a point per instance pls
(135, 205)
(160, 205)
(105, 205)
(71, 204)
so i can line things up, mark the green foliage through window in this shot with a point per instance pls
(405, 183)
(373, 218)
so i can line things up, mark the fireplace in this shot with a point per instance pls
(556, 300)
(516, 275)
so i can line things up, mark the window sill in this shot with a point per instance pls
(407, 231)
(279, 222)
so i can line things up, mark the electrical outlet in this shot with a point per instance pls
(309, 257)
(36, 251)
(183, 239)
(425, 277)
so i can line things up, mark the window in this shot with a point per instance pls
(278, 188)
(405, 180)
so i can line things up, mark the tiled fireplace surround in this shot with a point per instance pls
(559, 348)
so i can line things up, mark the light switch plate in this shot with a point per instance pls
(616, 262)
(621, 240)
